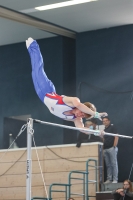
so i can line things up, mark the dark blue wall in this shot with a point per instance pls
(104, 58)
(18, 96)
(69, 82)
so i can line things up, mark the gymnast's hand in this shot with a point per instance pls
(99, 133)
(99, 115)
(104, 114)
(102, 133)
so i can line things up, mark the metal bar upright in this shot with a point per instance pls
(70, 183)
(29, 162)
(87, 171)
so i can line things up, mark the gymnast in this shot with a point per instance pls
(67, 108)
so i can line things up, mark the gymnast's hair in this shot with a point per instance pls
(91, 106)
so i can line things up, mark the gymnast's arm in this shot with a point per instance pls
(79, 124)
(75, 102)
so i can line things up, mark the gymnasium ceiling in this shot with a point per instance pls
(19, 19)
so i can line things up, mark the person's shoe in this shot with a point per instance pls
(108, 181)
(28, 42)
(115, 182)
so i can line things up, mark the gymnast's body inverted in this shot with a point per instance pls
(67, 108)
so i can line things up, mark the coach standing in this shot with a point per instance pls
(110, 151)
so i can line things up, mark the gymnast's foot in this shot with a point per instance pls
(28, 42)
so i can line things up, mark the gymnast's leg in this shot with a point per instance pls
(41, 82)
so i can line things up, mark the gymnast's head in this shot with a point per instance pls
(81, 114)
(92, 107)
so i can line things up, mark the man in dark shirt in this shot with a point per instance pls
(83, 138)
(110, 151)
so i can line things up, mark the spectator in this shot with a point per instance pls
(82, 138)
(126, 193)
(110, 151)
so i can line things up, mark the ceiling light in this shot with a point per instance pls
(62, 4)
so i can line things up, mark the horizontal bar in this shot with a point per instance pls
(118, 135)
(63, 126)
(79, 129)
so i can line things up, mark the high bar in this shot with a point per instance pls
(80, 129)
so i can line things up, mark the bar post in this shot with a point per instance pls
(29, 161)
